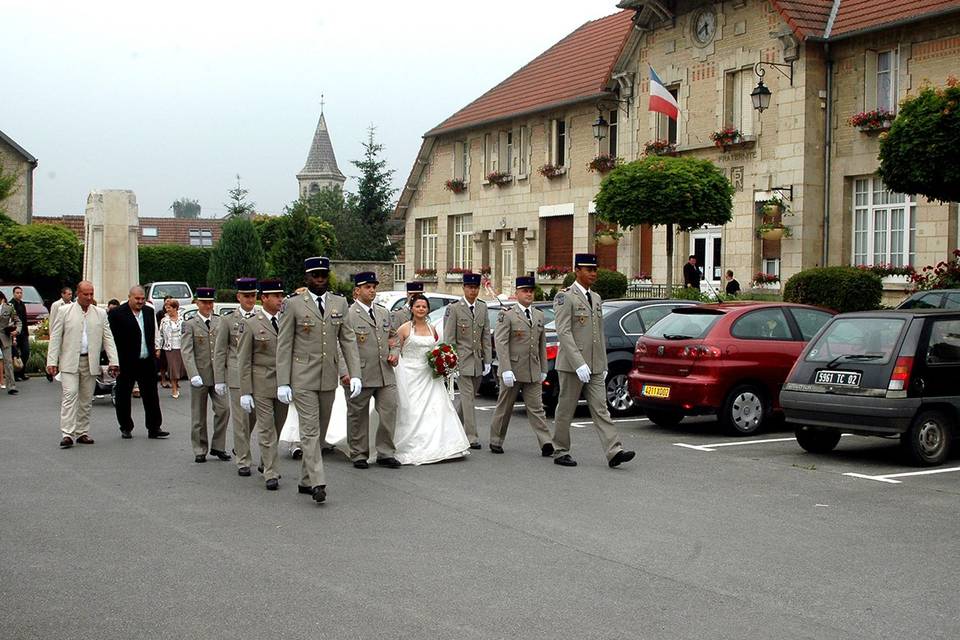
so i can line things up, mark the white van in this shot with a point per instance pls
(157, 291)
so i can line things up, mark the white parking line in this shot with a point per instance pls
(889, 477)
(491, 407)
(738, 443)
(582, 424)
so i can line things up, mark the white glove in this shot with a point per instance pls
(246, 403)
(196, 381)
(355, 387)
(486, 369)
(583, 372)
(543, 377)
(509, 378)
(220, 389)
(604, 374)
(285, 394)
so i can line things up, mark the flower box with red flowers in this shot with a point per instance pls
(443, 360)
(660, 148)
(726, 137)
(872, 121)
(603, 163)
(499, 178)
(457, 185)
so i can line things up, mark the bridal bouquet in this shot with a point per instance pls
(443, 360)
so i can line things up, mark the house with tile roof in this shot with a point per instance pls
(16, 160)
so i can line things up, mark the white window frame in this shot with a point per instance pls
(524, 150)
(663, 121)
(462, 226)
(738, 111)
(461, 160)
(148, 232)
(399, 272)
(559, 143)
(428, 243)
(877, 237)
(194, 235)
(487, 155)
(770, 266)
(887, 96)
(505, 152)
(613, 132)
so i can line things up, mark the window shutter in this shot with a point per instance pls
(568, 141)
(466, 160)
(457, 159)
(551, 155)
(517, 168)
(502, 152)
(870, 80)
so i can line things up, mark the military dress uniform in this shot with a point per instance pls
(583, 351)
(467, 327)
(308, 362)
(522, 351)
(404, 314)
(198, 348)
(257, 364)
(227, 347)
(9, 320)
(376, 341)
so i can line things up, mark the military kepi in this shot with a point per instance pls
(414, 287)
(246, 285)
(526, 282)
(585, 260)
(206, 293)
(271, 286)
(471, 278)
(319, 263)
(365, 277)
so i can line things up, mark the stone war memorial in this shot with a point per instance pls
(110, 258)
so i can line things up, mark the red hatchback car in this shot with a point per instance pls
(726, 359)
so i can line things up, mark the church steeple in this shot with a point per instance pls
(321, 169)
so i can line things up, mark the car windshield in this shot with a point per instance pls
(434, 316)
(30, 295)
(857, 339)
(173, 289)
(683, 326)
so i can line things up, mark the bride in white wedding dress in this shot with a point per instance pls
(428, 428)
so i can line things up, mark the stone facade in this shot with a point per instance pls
(16, 160)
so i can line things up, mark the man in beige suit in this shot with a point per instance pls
(466, 326)
(257, 365)
(582, 362)
(198, 348)
(403, 314)
(522, 353)
(66, 297)
(227, 346)
(313, 325)
(379, 354)
(77, 336)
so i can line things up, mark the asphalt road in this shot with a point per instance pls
(131, 539)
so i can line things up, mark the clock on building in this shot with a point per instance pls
(704, 25)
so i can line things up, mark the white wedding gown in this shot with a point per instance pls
(428, 429)
(336, 430)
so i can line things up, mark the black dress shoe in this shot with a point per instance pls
(223, 455)
(621, 457)
(158, 434)
(495, 448)
(260, 468)
(126, 435)
(319, 493)
(360, 464)
(66, 443)
(200, 458)
(303, 489)
(297, 453)
(476, 445)
(391, 462)
(546, 450)
(13, 392)
(565, 461)
(244, 472)
(272, 484)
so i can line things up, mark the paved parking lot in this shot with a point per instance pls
(719, 538)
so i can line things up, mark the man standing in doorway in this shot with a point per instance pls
(691, 275)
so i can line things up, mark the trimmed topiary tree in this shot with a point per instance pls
(839, 288)
(237, 254)
(609, 284)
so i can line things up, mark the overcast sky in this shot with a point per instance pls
(174, 99)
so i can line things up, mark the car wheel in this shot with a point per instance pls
(743, 411)
(817, 440)
(927, 443)
(619, 400)
(664, 417)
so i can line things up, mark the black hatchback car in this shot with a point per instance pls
(881, 373)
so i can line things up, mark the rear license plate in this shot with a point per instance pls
(839, 378)
(653, 391)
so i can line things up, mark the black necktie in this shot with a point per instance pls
(471, 311)
(276, 327)
(589, 300)
(529, 319)
(372, 317)
(320, 305)
(207, 322)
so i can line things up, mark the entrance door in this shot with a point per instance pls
(707, 246)
(506, 270)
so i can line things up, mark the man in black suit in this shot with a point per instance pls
(691, 275)
(134, 330)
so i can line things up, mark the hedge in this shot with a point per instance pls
(174, 262)
(609, 284)
(839, 288)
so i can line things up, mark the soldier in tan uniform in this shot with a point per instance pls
(582, 362)
(403, 314)
(312, 326)
(198, 348)
(467, 327)
(227, 346)
(379, 354)
(522, 353)
(257, 365)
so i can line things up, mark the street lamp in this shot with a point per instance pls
(761, 94)
(600, 127)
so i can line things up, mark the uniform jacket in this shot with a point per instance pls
(470, 334)
(66, 334)
(580, 331)
(307, 356)
(401, 315)
(376, 341)
(198, 348)
(257, 357)
(521, 346)
(126, 334)
(227, 344)
(8, 318)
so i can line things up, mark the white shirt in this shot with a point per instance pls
(526, 312)
(84, 343)
(247, 314)
(472, 305)
(582, 290)
(143, 335)
(320, 299)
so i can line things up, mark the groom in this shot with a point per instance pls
(379, 354)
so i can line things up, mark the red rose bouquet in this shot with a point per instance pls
(443, 360)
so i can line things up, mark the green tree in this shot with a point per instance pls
(48, 256)
(174, 262)
(921, 152)
(681, 193)
(300, 236)
(186, 208)
(370, 207)
(238, 207)
(237, 254)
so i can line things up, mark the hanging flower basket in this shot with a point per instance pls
(660, 148)
(773, 207)
(607, 237)
(726, 137)
(773, 231)
(457, 185)
(603, 163)
(762, 280)
(499, 178)
(551, 171)
(872, 121)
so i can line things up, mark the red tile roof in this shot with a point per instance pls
(577, 67)
(806, 17)
(169, 230)
(810, 18)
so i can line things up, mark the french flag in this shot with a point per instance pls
(660, 99)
